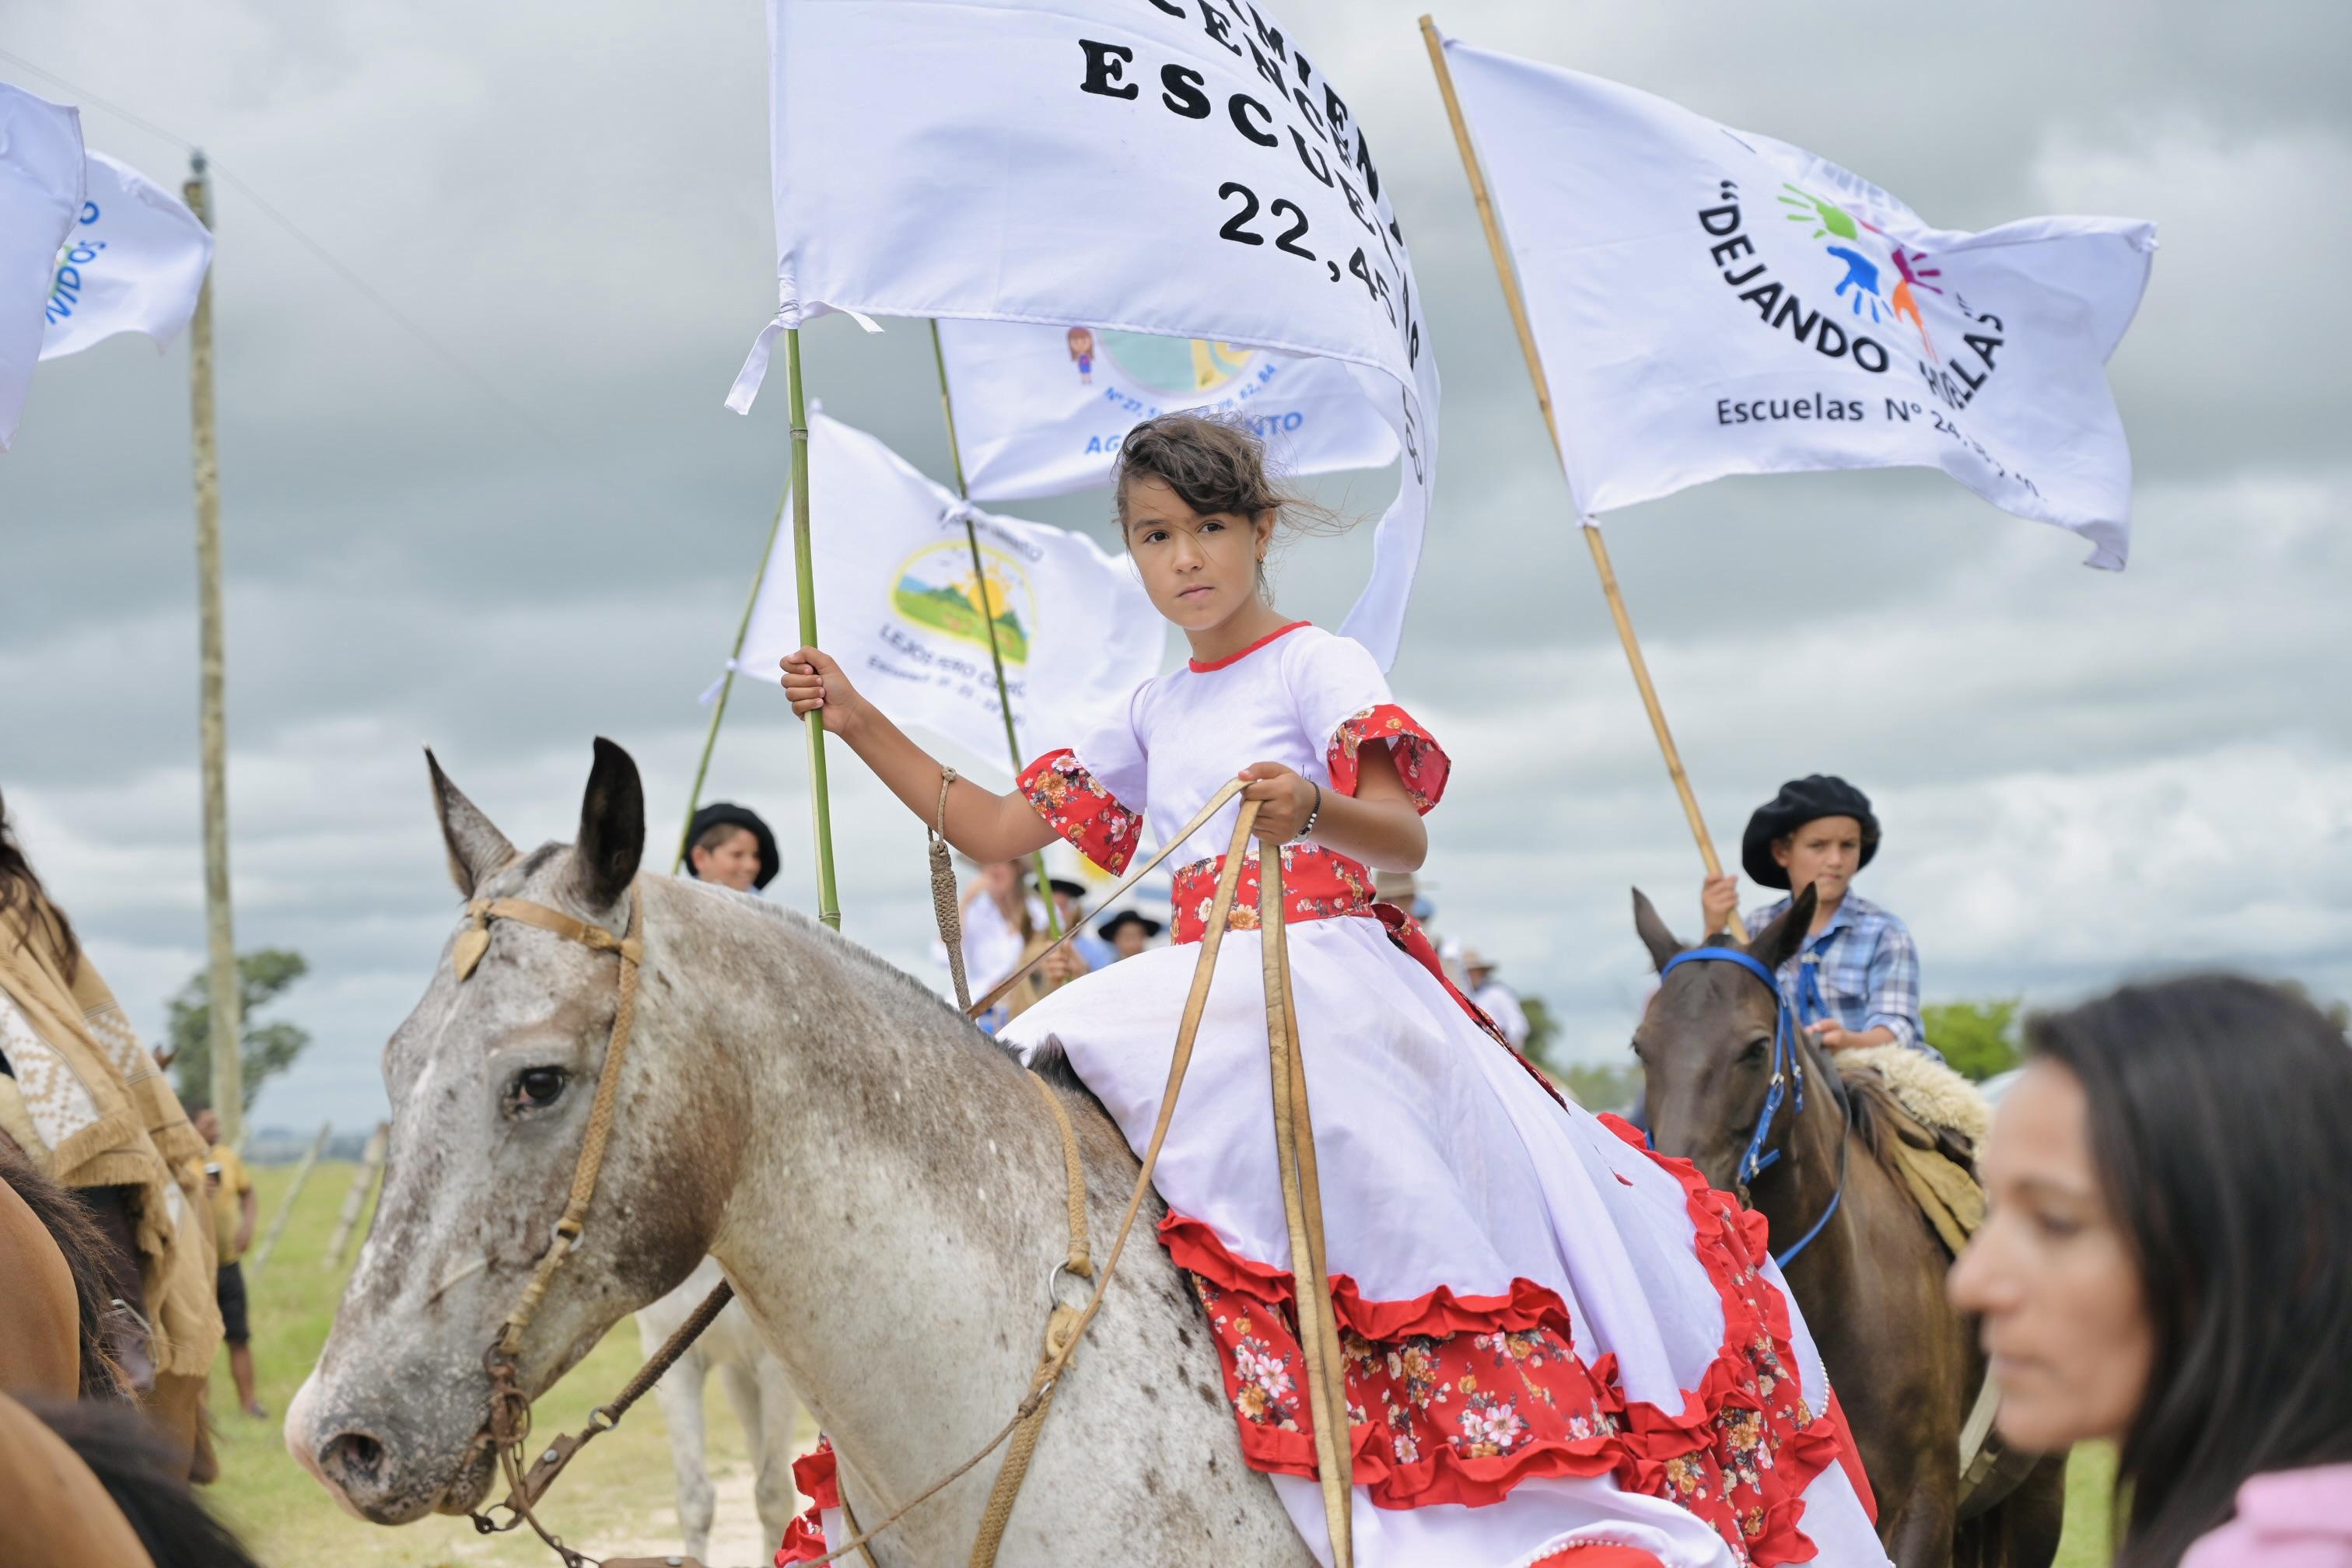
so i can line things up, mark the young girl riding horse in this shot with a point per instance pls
(1559, 1348)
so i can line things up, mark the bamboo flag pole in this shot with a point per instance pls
(727, 684)
(828, 907)
(211, 724)
(1509, 277)
(995, 657)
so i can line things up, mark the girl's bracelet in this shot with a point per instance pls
(1308, 825)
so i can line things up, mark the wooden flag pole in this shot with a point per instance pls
(828, 906)
(726, 685)
(1509, 277)
(995, 657)
(211, 724)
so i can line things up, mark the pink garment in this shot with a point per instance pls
(2288, 1519)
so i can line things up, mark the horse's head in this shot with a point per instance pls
(492, 1079)
(1706, 1044)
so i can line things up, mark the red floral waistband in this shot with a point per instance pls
(1317, 884)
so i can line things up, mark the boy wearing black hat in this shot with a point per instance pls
(1856, 981)
(730, 845)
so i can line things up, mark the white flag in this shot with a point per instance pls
(1709, 301)
(1042, 410)
(41, 196)
(134, 263)
(1180, 169)
(899, 603)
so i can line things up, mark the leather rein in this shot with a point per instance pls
(509, 1427)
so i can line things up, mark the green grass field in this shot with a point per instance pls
(616, 1499)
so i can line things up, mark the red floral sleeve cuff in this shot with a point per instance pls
(1076, 806)
(1420, 761)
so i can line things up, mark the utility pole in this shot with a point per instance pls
(228, 1068)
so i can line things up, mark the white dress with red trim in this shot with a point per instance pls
(1555, 1340)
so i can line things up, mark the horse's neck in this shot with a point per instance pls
(897, 1205)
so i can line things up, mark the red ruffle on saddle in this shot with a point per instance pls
(1456, 1399)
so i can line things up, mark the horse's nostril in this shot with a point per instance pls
(352, 1457)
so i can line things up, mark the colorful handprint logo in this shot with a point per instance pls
(1863, 279)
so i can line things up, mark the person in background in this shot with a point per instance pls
(1091, 952)
(234, 1209)
(728, 845)
(87, 1105)
(1003, 927)
(2165, 1265)
(1856, 981)
(1129, 932)
(1494, 999)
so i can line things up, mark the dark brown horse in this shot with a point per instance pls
(1906, 1368)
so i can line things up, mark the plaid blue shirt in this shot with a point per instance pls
(1867, 968)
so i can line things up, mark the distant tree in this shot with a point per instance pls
(1591, 1085)
(1977, 1037)
(270, 1048)
(1543, 1029)
(1597, 1087)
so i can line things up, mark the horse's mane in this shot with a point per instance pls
(148, 1483)
(86, 1250)
(1048, 1061)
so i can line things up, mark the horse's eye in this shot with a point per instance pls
(535, 1089)
(1756, 1049)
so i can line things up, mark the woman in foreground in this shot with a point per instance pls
(2168, 1266)
(1561, 1351)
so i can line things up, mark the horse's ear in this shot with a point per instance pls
(1777, 942)
(1662, 943)
(611, 829)
(475, 847)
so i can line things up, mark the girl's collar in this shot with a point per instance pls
(1199, 669)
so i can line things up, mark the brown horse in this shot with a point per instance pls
(1906, 1368)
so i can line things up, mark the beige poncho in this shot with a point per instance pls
(92, 1108)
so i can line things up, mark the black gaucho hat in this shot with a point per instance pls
(1109, 930)
(720, 811)
(1066, 888)
(1800, 801)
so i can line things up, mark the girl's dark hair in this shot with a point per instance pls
(86, 1254)
(1215, 465)
(19, 885)
(2220, 1120)
(148, 1481)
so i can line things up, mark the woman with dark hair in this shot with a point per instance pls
(2167, 1264)
(87, 1105)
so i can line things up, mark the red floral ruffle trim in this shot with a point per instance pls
(1749, 1406)
(817, 1475)
(1076, 806)
(1420, 761)
(1598, 1554)
(1456, 1399)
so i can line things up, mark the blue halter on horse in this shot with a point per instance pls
(1788, 1063)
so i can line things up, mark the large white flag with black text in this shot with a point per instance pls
(899, 603)
(1040, 411)
(40, 196)
(1710, 301)
(1181, 169)
(134, 263)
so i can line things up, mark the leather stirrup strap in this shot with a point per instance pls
(1302, 1207)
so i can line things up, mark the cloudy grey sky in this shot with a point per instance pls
(2082, 776)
